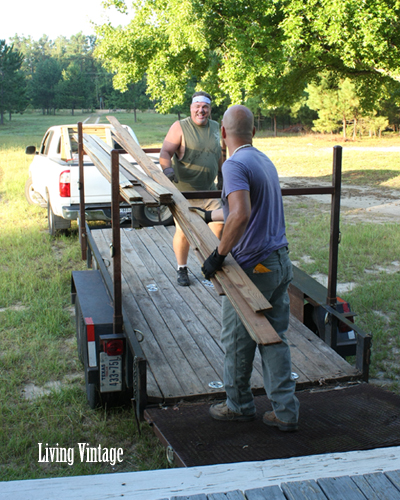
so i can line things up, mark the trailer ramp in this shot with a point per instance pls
(358, 417)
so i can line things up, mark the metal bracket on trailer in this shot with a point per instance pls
(304, 287)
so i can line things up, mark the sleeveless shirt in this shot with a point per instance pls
(198, 168)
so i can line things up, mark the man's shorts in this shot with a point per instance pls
(206, 204)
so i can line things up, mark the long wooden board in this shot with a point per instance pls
(243, 294)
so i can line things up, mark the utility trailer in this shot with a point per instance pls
(143, 337)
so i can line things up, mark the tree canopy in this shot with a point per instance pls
(253, 48)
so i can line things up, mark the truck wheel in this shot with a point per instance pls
(55, 222)
(152, 216)
(29, 192)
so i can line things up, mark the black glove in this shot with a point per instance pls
(170, 173)
(204, 214)
(212, 264)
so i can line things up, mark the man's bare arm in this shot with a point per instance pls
(172, 144)
(236, 223)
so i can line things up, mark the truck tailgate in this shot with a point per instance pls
(97, 187)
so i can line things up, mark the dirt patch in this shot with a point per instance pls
(363, 203)
(32, 392)
(15, 307)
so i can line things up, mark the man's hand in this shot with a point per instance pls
(212, 264)
(170, 173)
(204, 214)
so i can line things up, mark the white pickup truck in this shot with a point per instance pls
(53, 181)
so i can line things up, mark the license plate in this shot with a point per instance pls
(110, 373)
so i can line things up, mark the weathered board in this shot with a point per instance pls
(181, 325)
(298, 478)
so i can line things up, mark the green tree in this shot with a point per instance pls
(44, 84)
(253, 48)
(174, 41)
(335, 102)
(75, 90)
(323, 98)
(33, 51)
(12, 81)
(134, 98)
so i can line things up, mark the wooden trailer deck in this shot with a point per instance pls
(180, 326)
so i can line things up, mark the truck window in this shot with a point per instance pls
(44, 148)
(74, 145)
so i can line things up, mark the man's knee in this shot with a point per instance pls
(216, 228)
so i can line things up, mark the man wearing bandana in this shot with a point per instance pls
(191, 157)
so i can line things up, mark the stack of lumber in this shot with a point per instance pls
(235, 284)
(135, 186)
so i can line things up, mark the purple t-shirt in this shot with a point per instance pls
(251, 170)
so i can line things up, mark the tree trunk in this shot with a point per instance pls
(179, 115)
(344, 127)
(355, 129)
(275, 130)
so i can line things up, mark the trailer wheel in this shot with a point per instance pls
(152, 216)
(92, 396)
(56, 223)
(80, 329)
(92, 392)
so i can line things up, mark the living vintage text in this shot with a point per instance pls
(86, 453)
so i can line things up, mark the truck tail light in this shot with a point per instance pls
(65, 184)
(113, 347)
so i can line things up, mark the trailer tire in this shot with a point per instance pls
(92, 396)
(152, 216)
(92, 391)
(80, 329)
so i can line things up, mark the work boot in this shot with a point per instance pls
(271, 419)
(220, 411)
(183, 277)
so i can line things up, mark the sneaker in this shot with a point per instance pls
(271, 419)
(183, 277)
(220, 411)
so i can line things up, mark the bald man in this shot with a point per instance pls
(254, 233)
(191, 157)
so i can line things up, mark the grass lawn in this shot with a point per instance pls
(37, 329)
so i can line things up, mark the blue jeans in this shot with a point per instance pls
(240, 347)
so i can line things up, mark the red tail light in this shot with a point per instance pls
(344, 307)
(65, 184)
(114, 347)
